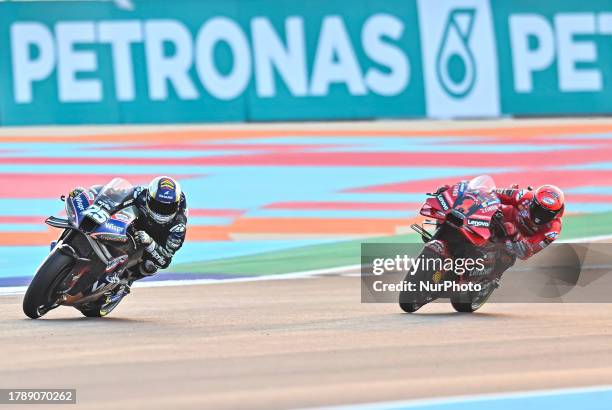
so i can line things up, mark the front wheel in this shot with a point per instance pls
(410, 302)
(40, 296)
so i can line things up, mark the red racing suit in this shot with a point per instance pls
(527, 238)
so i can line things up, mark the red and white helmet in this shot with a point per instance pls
(548, 203)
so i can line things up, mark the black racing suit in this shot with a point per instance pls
(168, 237)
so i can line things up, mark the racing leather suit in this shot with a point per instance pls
(528, 238)
(168, 237)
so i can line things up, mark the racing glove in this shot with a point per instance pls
(517, 248)
(143, 238)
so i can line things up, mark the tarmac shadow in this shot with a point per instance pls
(470, 316)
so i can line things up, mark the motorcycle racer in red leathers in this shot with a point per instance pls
(532, 219)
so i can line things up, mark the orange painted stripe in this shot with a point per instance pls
(207, 233)
(28, 238)
(516, 131)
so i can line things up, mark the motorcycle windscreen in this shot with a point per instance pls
(485, 203)
(114, 193)
(482, 183)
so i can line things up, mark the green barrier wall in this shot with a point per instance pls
(261, 60)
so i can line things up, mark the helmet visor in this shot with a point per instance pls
(540, 215)
(161, 212)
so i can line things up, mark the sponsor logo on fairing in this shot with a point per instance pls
(478, 223)
(78, 201)
(442, 202)
(121, 216)
(113, 228)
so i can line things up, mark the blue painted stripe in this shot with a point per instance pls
(590, 398)
(603, 166)
(41, 227)
(588, 207)
(591, 190)
(333, 214)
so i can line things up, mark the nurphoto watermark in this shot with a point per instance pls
(416, 273)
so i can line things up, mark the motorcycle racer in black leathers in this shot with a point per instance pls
(161, 226)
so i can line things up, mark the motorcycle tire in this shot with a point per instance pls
(99, 310)
(91, 312)
(37, 300)
(412, 306)
(462, 306)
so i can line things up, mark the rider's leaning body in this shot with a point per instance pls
(532, 218)
(162, 223)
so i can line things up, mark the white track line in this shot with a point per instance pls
(17, 290)
(587, 239)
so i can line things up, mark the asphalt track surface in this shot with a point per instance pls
(297, 343)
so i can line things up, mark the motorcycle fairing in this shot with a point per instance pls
(476, 207)
(116, 227)
(76, 206)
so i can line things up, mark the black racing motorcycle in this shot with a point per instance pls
(88, 266)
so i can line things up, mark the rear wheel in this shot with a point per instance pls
(411, 307)
(106, 303)
(99, 310)
(91, 311)
(470, 302)
(41, 294)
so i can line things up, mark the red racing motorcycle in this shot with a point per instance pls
(468, 226)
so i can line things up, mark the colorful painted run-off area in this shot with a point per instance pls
(275, 199)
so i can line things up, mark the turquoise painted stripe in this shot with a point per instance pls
(34, 207)
(588, 207)
(591, 190)
(604, 166)
(332, 214)
(41, 227)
